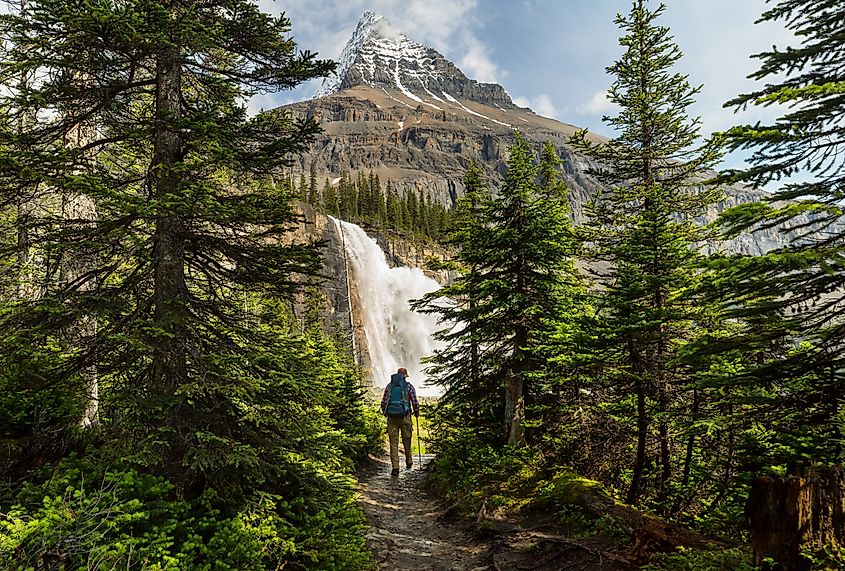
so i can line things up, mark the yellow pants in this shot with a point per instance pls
(395, 424)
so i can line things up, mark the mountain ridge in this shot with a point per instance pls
(376, 120)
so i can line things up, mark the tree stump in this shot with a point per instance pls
(802, 512)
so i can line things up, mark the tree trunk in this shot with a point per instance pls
(474, 373)
(170, 353)
(77, 274)
(804, 512)
(649, 535)
(690, 441)
(514, 407)
(78, 267)
(664, 436)
(642, 436)
(30, 261)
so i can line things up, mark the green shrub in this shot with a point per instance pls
(700, 560)
(470, 472)
(83, 518)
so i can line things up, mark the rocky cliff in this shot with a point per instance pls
(406, 113)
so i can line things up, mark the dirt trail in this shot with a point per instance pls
(408, 532)
(405, 532)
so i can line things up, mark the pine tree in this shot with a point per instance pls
(394, 209)
(788, 298)
(406, 220)
(515, 254)
(365, 200)
(643, 228)
(380, 202)
(185, 219)
(330, 199)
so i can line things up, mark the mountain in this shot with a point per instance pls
(378, 55)
(405, 112)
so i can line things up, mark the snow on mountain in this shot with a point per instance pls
(366, 25)
(379, 55)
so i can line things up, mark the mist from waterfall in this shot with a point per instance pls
(396, 336)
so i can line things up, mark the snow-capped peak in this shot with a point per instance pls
(371, 25)
(379, 55)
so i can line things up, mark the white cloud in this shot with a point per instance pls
(542, 105)
(476, 63)
(598, 104)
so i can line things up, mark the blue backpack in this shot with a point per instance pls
(397, 398)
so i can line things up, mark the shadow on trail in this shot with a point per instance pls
(407, 531)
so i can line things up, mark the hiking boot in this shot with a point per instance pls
(409, 465)
(394, 472)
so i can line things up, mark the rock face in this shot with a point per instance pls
(403, 111)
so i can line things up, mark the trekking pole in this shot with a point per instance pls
(419, 442)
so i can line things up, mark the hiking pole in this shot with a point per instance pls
(419, 442)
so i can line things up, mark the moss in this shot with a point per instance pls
(567, 488)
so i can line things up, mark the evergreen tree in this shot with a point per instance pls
(178, 187)
(303, 188)
(516, 255)
(787, 299)
(330, 199)
(365, 201)
(405, 222)
(394, 209)
(343, 196)
(380, 202)
(469, 397)
(412, 213)
(643, 229)
(423, 216)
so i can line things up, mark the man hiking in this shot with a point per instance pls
(397, 404)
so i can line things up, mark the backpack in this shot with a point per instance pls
(397, 397)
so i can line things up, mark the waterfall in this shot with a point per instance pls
(395, 335)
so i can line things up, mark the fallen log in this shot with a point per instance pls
(649, 534)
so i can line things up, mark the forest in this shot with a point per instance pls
(173, 398)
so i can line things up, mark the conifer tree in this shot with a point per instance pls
(643, 228)
(791, 294)
(515, 254)
(406, 221)
(457, 367)
(365, 201)
(394, 208)
(330, 199)
(381, 203)
(303, 188)
(186, 221)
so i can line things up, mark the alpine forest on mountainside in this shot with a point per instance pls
(176, 392)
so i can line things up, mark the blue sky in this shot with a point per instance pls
(551, 54)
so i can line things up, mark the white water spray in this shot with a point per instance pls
(396, 336)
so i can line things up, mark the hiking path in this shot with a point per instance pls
(409, 530)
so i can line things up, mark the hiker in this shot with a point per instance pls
(397, 404)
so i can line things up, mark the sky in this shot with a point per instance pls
(551, 55)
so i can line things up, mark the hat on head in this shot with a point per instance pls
(403, 371)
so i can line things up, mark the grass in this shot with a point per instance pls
(420, 439)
